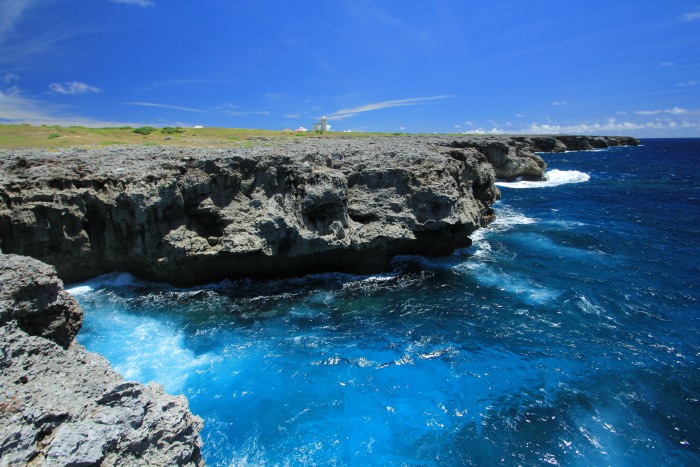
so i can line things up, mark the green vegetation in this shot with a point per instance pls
(23, 135)
(168, 130)
(54, 135)
(145, 130)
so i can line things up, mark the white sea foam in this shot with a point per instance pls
(554, 177)
(150, 349)
(117, 279)
(507, 217)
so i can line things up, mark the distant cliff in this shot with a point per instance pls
(190, 215)
(62, 405)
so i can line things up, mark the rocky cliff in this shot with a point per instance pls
(189, 215)
(61, 405)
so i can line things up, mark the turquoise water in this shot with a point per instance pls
(568, 334)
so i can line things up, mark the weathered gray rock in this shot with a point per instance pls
(190, 215)
(586, 143)
(511, 158)
(65, 406)
(32, 295)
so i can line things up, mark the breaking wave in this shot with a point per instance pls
(554, 177)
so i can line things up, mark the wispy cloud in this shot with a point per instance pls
(245, 114)
(693, 16)
(10, 13)
(141, 3)
(179, 82)
(16, 108)
(347, 113)
(233, 110)
(369, 12)
(165, 106)
(73, 87)
(9, 78)
(690, 82)
(674, 111)
(559, 103)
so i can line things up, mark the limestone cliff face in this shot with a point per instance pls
(192, 215)
(62, 405)
(189, 215)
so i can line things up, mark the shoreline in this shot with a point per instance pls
(86, 212)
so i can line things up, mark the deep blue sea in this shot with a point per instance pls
(568, 334)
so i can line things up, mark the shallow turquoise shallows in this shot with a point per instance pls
(568, 334)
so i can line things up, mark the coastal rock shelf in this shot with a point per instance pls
(62, 405)
(281, 208)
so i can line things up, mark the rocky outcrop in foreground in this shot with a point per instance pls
(283, 208)
(62, 405)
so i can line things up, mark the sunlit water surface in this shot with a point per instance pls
(568, 334)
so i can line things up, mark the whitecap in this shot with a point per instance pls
(507, 217)
(554, 177)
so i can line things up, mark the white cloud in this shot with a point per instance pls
(674, 111)
(73, 87)
(347, 113)
(481, 131)
(10, 12)
(690, 82)
(520, 115)
(141, 3)
(610, 126)
(558, 103)
(165, 106)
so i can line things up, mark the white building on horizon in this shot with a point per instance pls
(322, 125)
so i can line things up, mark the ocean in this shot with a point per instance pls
(568, 334)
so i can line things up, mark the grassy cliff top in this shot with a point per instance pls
(27, 136)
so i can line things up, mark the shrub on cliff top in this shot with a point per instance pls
(145, 130)
(168, 130)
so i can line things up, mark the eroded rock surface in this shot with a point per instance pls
(65, 406)
(32, 295)
(190, 215)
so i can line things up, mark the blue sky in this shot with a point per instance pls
(602, 67)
